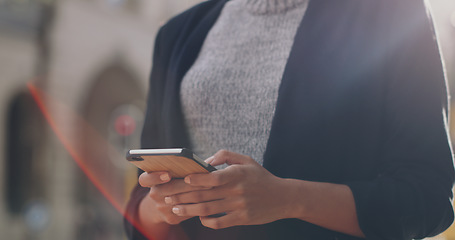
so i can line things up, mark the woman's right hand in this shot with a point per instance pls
(154, 208)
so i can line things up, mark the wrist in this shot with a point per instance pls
(147, 213)
(149, 221)
(294, 198)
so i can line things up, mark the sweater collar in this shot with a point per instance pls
(271, 6)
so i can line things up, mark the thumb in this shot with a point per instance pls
(230, 158)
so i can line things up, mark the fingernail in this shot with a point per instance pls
(187, 180)
(168, 200)
(165, 177)
(176, 210)
(209, 160)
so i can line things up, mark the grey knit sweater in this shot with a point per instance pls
(230, 92)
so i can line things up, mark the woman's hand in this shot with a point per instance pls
(161, 186)
(245, 193)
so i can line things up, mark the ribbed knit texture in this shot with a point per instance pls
(230, 92)
(271, 6)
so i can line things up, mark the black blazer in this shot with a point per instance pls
(362, 102)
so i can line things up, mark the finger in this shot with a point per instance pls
(202, 209)
(213, 179)
(153, 178)
(161, 191)
(176, 186)
(168, 216)
(196, 197)
(228, 220)
(210, 160)
(230, 158)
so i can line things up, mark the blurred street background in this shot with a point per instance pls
(73, 81)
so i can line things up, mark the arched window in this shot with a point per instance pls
(113, 113)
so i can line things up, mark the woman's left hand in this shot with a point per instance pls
(244, 193)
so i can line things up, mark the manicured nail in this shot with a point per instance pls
(165, 177)
(176, 210)
(187, 180)
(209, 160)
(168, 200)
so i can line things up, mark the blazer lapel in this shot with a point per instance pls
(326, 77)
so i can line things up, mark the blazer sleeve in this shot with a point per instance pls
(150, 130)
(166, 43)
(411, 196)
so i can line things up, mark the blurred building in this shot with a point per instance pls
(90, 61)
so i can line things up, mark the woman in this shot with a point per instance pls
(334, 114)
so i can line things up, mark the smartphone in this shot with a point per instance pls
(179, 162)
